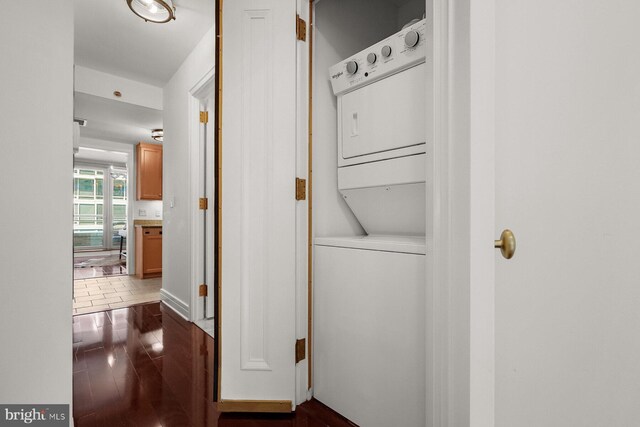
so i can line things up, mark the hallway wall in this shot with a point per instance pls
(36, 112)
(177, 221)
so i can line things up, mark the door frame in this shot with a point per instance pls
(201, 90)
(460, 287)
(128, 149)
(107, 203)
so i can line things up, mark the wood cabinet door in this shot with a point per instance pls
(149, 172)
(152, 253)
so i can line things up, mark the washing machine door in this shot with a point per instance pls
(385, 116)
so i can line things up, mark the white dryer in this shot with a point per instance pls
(382, 107)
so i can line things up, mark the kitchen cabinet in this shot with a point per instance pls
(148, 251)
(148, 171)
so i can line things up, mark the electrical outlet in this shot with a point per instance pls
(142, 212)
(158, 213)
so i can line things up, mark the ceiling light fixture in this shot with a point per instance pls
(158, 11)
(157, 134)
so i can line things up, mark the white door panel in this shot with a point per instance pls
(258, 205)
(568, 185)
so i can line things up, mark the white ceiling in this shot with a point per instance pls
(110, 38)
(112, 120)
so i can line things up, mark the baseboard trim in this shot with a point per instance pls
(175, 303)
(277, 406)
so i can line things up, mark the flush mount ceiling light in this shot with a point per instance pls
(158, 11)
(157, 134)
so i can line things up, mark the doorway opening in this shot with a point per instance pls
(202, 99)
(132, 87)
(99, 219)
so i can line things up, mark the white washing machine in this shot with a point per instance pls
(369, 291)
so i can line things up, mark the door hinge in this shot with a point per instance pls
(203, 203)
(203, 290)
(301, 189)
(301, 349)
(301, 29)
(204, 117)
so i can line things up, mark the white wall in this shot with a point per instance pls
(176, 251)
(36, 113)
(339, 32)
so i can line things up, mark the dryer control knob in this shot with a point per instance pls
(411, 38)
(386, 51)
(371, 58)
(352, 67)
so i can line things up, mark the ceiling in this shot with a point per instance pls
(117, 121)
(110, 38)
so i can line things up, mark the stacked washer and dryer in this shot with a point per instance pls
(369, 291)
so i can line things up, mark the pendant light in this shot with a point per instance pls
(158, 11)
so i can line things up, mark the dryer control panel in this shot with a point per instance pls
(402, 50)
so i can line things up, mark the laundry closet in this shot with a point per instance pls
(372, 79)
(321, 291)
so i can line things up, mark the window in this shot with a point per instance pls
(99, 192)
(99, 207)
(119, 189)
(87, 214)
(84, 188)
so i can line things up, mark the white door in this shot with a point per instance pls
(258, 288)
(567, 181)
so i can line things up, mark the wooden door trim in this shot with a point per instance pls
(217, 227)
(274, 406)
(310, 31)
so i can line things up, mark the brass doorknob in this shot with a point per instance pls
(506, 244)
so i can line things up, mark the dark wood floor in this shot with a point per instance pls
(145, 366)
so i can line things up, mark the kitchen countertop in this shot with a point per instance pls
(147, 223)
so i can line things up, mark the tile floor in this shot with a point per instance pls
(106, 293)
(98, 271)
